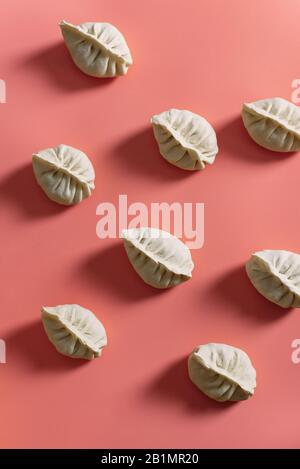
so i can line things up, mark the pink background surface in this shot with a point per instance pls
(206, 56)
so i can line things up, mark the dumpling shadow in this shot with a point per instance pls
(30, 346)
(235, 141)
(20, 189)
(138, 153)
(234, 288)
(57, 66)
(174, 387)
(110, 270)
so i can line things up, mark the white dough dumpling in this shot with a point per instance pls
(98, 49)
(222, 372)
(64, 173)
(74, 331)
(276, 275)
(159, 258)
(185, 139)
(273, 123)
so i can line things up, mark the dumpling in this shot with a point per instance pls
(74, 331)
(185, 139)
(158, 257)
(273, 123)
(64, 173)
(222, 372)
(276, 275)
(98, 49)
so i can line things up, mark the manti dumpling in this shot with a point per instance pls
(158, 257)
(185, 139)
(98, 49)
(74, 331)
(64, 173)
(222, 372)
(273, 123)
(276, 275)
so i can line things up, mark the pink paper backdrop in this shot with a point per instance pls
(208, 56)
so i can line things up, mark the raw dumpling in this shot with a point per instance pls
(222, 372)
(273, 123)
(74, 331)
(159, 258)
(64, 173)
(185, 139)
(276, 275)
(98, 49)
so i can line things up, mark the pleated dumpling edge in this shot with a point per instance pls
(64, 173)
(74, 331)
(185, 139)
(273, 123)
(222, 372)
(159, 258)
(98, 49)
(276, 275)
